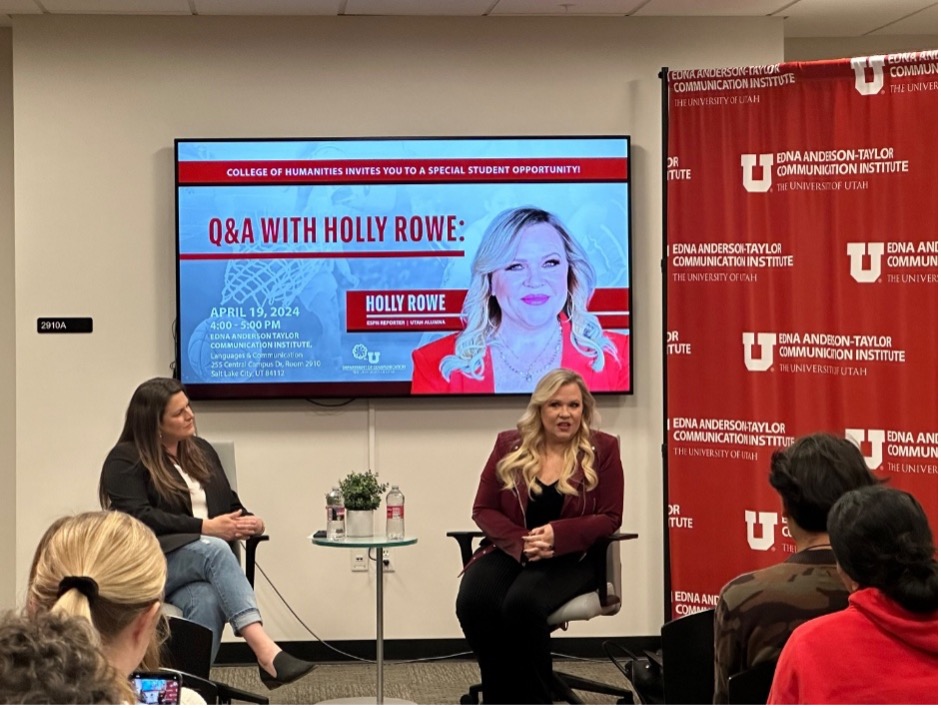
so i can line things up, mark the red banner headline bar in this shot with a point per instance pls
(440, 310)
(282, 255)
(542, 169)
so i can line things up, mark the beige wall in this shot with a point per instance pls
(810, 48)
(98, 102)
(7, 329)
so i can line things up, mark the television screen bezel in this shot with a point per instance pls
(372, 389)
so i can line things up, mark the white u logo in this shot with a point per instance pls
(766, 340)
(767, 520)
(863, 84)
(856, 251)
(765, 159)
(875, 438)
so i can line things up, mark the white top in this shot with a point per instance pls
(197, 494)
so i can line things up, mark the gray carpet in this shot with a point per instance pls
(432, 683)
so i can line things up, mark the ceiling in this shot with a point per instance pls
(802, 18)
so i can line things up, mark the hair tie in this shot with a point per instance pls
(85, 585)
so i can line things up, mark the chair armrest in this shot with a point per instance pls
(600, 559)
(209, 690)
(465, 540)
(251, 545)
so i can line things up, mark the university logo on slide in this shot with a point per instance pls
(767, 521)
(864, 84)
(856, 252)
(765, 340)
(876, 439)
(749, 161)
(362, 353)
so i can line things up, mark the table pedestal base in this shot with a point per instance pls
(366, 701)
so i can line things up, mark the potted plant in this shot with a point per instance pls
(362, 495)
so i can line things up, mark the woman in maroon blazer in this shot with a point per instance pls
(551, 489)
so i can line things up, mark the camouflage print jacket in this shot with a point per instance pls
(758, 611)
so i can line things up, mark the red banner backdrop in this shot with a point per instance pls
(802, 293)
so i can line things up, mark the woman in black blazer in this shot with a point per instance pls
(173, 481)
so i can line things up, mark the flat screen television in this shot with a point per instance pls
(315, 267)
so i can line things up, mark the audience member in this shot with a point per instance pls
(757, 611)
(884, 647)
(51, 658)
(551, 489)
(107, 568)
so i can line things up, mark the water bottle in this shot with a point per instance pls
(395, 513)
(336, 515)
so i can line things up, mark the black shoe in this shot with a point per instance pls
(288, 669)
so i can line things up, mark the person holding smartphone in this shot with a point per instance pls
(106, 568)
(161, 473)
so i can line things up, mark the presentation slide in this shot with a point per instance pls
(396, 267)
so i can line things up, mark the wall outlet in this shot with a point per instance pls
(359, 563)
(387, 561)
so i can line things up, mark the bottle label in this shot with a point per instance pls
(336, 513)
(395, 512)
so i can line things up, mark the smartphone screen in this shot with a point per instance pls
(157, 688)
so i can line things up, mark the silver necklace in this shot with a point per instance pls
(538, 363)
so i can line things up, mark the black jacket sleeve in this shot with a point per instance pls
(127, 484)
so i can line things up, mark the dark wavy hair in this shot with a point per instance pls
(142, 429)
(52, 658)
(881, 539)
(813, 473)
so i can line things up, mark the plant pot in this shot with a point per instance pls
(360, 524)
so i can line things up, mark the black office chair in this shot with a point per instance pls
(689, 659)
(752, 686)
(602, 601)
(189, 651)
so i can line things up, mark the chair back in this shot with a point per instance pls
(226, 452)
(752, 687)
(188, 648)
(688, 659)
(225, 449)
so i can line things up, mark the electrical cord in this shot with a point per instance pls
(315, 402)
(340, 651)
(571, 657)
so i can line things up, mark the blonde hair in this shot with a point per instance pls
(123, 558)
(524, 462)
(481, 313)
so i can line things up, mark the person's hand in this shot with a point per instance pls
(539, 544)
(250, 526)
(224, 526)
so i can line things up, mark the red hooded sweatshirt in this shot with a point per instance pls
(872, 652)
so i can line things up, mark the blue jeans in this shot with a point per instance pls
(205, 580)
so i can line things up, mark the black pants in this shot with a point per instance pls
(503, 607)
